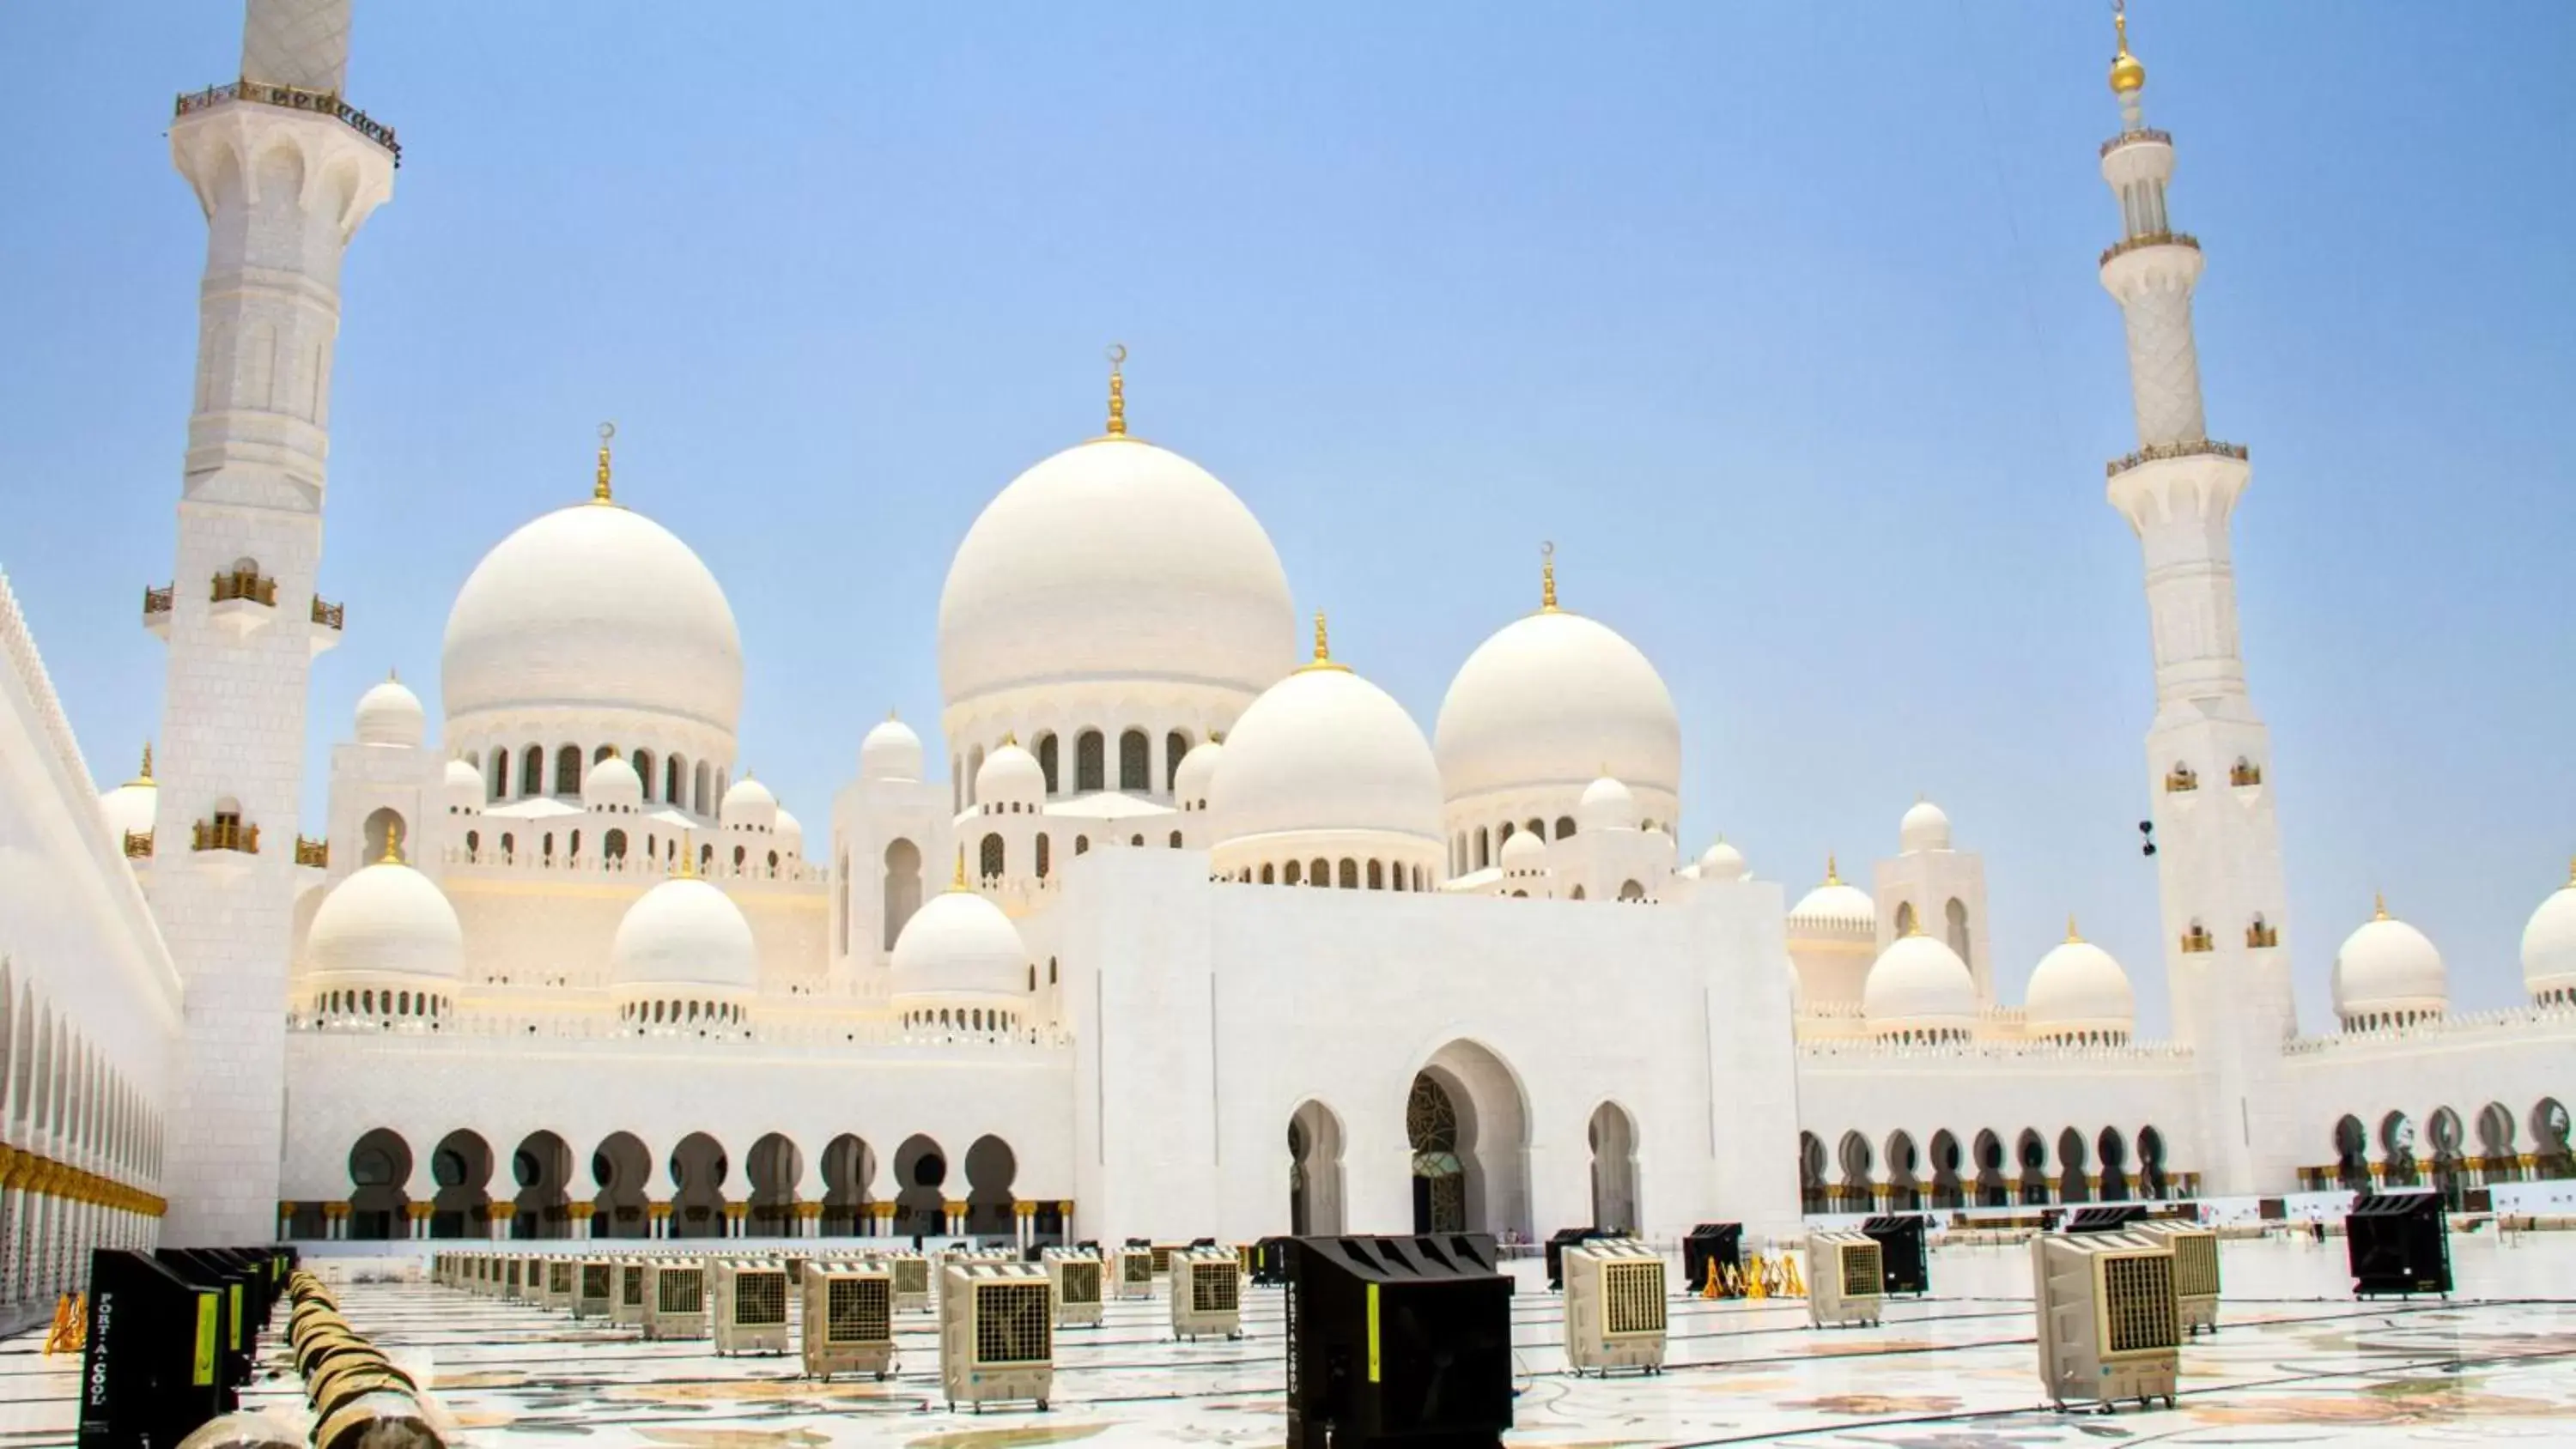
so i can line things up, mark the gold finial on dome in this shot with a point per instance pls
(393, 845)
(1117, 356)
(1547, 578)
(2378, 906)
(1831, 876)
(958, 883)
(1323, 648)
(2127, 75)
(2072, 935)
(146, 777)
(1010, 737)
(147, 774)
(599, 486)
(688, 858)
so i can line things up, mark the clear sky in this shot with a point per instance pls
(1781, 320)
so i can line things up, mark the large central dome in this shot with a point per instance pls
(593, 606)
(1115, 560)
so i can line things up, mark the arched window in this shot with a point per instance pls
(500, 775)
(573, 850)
(675, 781)
(1503, 834)
(1269, 875)
(644, 771)
(700, 803)
(1135, 765)
(1319, 872)
(1377, 875)
(1046, 761)
(1905, 918)
(473, 842)
(1957, 913)
(548, 849)
(1578, 894)
(1564, 826)
(1537, 828)
(1175, 745)
(1090, 762)
(568, 770)
(990, 857)
(1484, 849)
(1082, 845)
(612, 846)
(1631, 891)
(532, 771)
(1176, 840)
(1045, 853)
(1350, 874)
(1294, 873)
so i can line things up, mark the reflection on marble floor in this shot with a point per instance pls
(2298, 1362)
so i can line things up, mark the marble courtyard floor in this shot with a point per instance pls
(2297, 1362)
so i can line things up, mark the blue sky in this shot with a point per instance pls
(1781, 320)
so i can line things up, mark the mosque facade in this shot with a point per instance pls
(1189, 929)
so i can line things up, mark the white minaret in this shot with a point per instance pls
(286, 172)
(2208, 753)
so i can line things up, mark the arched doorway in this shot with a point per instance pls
(2397, 1142)
(1315, 1170)
(2352, 1154)
(849, 1165)
(2032, 1153)
(1853, 1156)
(2071, 1186)
(621, 1168)
(2550, 1157)
(1946, 1161)
(698, 1169)
(774, 1165)
(2113, 1150)
(1991, 1189)
(2496, 1158)
(379, 1165)
(543, 1168)
(1904, 1192)
(991, 1167)
(1439, 1173)
(387, 837)
(902, 887)
(920, 1170)
(1487, 1127)
(1812, 1196)
(2445, 1132)
(2151, 1163)
(1613, 1135)
(461, 1165)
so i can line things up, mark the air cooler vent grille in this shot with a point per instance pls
(594, 1280)
(759, 1299)
(858, 1310)
(912, 1275)
(559, 1278)
(1215, 1288)
(2138, 1303)
(1633, 1297)
(631, 1285)
(1862, 1276)
(1136, 1268)
(2195, 1264)
(680, 1290)
(1011, 1323)
(1081, 1281)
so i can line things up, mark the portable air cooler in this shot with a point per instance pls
(634, 1284)
(750, 1308)
(510, 1278)
(911, 1275)
(1207, 1293)
(1845, 1279)
(996, 1334)
(1614, 1306)
(532, 1281)
(2398, 1242)
(1075, 1276)
(849, 1319)
(2195, 1251)
(1135, 1272)
(2109, 1322)
(562, 1276)
(594, 1287)
(675, 1299)
(1398, 1342)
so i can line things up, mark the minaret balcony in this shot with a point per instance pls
(138, 845)
(157, 604)
(242, 602)
(290, 98)
(2192, 448)
(327, 622)
(225, 833)
(315, 853)
(2142, 136)
(2126, 245)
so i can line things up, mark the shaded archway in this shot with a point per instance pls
(1989, 1158)
(2151, 1164)
(621, 1169)
(1492, 1135)
(1439, 1173)
(379, 1165)
(698, 1169)
(991, 1167)
(1851, 1190)
(542, 1166)
(2112, 1151)
(387, 837)
(1812, 1196)
(2397, 1144)
(902, 889)
(2071, 1186)
(920, 1171)
(849, 1166)
(1613, 1136)
(1946, 1161)
(1904, 1191)
(2352, 1154)
(2445, 1132)
(2032, 1153)
(2550, 1157)
(773, 1167)
(1314, 1170)
(2496, 1157)
(461, 1165)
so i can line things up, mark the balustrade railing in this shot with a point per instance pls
(224, 833)
(237, 584)
(292, 98)
(2126, 245)
(316, 853)
(329, 616)
(2142, 136)
(160, 600)
(2158, 452)
(138, 845)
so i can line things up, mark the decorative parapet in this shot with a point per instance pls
(329, 616)
(160, 600)
(291, 98)
(138, 845)
(2036, 1050)
(2261, 937)
(224, 833)
(2142, 136)
(244, 585)
(2127, 245)
(20, 645)
(2197, 941)
(2158, 452)
(2181, 779)
(2464, 1027)
(315, 853)
(823, 1037)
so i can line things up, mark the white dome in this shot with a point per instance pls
(960, 944)
(1114, 560)
(464, 786)
(1523, 852)
(2548, 945)
(748, 805)
(1919, 984)
(1924, 827)
(684, 932)
(593, 606)
(890, 752)
(1606, 805)
(791, 834)
(2078, 987)
(1833, 910)
(1011, 776)
(1722, 861)
(390, 714)
(388, 920)
(1556, 699)
(1198, 771)
(2388, 968)
(129, 807)
(1326, 751)
(612, 784)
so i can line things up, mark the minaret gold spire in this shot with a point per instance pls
(146, 777)
(2072, 935)
(1547, 578)
(1323, 649)
(2378, 906)
(1831, 876)
(959, 883)
(599, 486)
(1117, 390)
(2128, 77)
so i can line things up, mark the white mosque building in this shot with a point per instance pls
(1190, 931)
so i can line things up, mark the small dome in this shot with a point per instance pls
(1918, 984)
(130, 807)
(748, 805)
(2388, 969)
(2078, 987)
(1606, 805)
(463, 785)
(791, 834)
(960, 944)
(2549, 946)
(684, 932)
(1722, 861)
(1924, 827)
(1326, 751)
(890, 752)
(1198, 771)
(1833, 911)
(1555, 699)
(390, 714)
(386, 920)
(1011, 776)
(1524, 853)
(612, 784)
